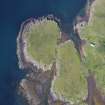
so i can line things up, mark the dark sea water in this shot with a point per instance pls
(12, 14)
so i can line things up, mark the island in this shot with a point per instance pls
(64, 66)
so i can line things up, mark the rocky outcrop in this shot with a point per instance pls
(36, 87)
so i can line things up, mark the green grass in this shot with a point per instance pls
(42, 41)
(94, 32)
(70, 81)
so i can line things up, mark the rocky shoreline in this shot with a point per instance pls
(35, 74)
(36, 86)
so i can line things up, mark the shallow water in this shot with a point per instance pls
(12, 14)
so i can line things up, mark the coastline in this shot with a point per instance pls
(25, 61)
(20, 46)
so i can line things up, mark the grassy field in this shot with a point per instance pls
(70, 82)
(42, 41)
(94, 33)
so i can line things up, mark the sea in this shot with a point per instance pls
(12, 14)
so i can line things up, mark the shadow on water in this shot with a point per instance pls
(12, 14)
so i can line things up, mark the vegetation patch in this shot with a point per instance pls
(42, 41)
(70, 81)
(94, 33)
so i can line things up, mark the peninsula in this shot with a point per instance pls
(64, 66)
